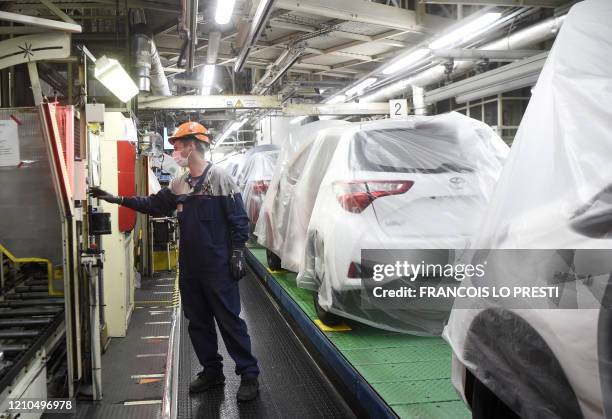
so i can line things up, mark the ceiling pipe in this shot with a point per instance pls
(521, 39)
(183, 33)
(148, 69)
(262, 13)
(483, 54)
(193, 35)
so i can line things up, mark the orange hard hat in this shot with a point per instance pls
(190, 130)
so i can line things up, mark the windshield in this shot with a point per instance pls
(406, 151)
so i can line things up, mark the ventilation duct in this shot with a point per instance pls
(148, 68)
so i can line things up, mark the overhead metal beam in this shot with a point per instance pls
(317, 52)
(314, 109)
(57, 12)
(376, 38)
(350, 35)
(260, 17)
(508, 77)
(481, 54)
(147, 5)
(100, 4)
(381, 38)
(209, 102)
(43, 23)
(509, 3)
(366, 12)
(325, 67)
(291, 26)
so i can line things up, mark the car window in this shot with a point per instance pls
(297, 167)
(408, 151)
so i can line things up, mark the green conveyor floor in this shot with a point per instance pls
(411, 373)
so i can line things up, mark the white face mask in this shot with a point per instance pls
(180, 160)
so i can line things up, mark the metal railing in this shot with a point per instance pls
(50, 272)
(170, 393)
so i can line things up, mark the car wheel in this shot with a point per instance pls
(274, 262)
(330, 319)
(485, 404)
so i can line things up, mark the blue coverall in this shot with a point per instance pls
(211, 224)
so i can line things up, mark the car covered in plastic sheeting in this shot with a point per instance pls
(232, 165)
(549, 359)
(254, 177)
(422, 183)
(285, 213)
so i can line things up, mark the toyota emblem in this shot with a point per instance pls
(456, 182)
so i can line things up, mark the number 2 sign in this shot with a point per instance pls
(398, 108)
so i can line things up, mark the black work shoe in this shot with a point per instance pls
(249, 388)
(206, 381)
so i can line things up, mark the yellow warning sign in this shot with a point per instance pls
(238, 104)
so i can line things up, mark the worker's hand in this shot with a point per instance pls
(238, 264)
(103, 195)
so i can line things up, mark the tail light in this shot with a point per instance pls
(260, 187)
(354, 270)
(355, 196)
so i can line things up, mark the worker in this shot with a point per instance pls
(213, 231)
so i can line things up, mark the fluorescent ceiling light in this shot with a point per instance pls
(466, 32)
(209, 75)
(114, 77)
(224, 11)
(361, 86)
(336, 99)
(406, 61)
(298, 119)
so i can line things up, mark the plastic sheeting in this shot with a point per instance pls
(291, 195)
(423, 183)
(554, 193)
(254, 178)
(154, 185)
(232, 165)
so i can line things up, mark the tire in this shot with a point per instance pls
(330, 319)
(274, 262)
(485, 404)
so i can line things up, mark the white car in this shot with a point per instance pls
(418, 184)
(254, 178)
(550, 358)
(286, 209)
(232, 165)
